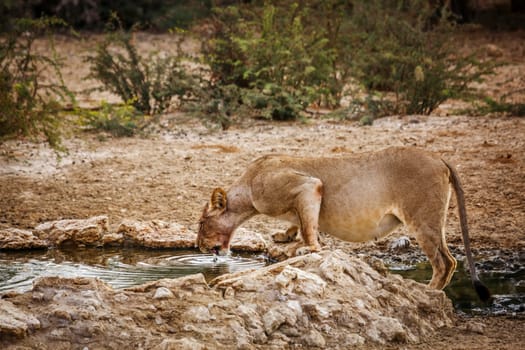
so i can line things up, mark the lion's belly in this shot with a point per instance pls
(359, 226)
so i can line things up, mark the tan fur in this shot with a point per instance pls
(356, 198)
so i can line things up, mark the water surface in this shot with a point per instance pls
(503, 284)
(119, 267)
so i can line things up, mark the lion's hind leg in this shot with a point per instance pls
(430, 236)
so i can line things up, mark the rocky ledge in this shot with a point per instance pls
(328, 300)
(95, 231)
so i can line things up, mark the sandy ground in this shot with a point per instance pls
(169, 173)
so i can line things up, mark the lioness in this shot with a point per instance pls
(356, 198)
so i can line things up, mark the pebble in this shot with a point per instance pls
(162, 293)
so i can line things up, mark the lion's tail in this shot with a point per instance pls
(481, 289)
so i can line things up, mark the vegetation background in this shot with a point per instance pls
(276, 60)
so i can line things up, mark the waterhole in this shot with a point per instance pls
(507, 288)
(119, 267)
(126, 267)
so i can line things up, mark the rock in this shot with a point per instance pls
(284, 251)
(293, 280)
(289, 235)
(353, 340)
(315, 338)
(12, 238)
(399, 244)
(253, 322)
(520, 286)
(180, 344)
(112, 239)
(323, 310)
(198, 314)
(182, 287)
(157, 234)
(327, 300)
(386, 330)
(86, 232)
(14, 321)
(278, 315)
(162, 293)
(244, 339)
(248, 241)
(475, 327)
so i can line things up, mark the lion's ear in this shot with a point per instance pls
(218, 199)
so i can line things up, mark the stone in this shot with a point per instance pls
(273, 320)
(399, 244)
(387, 329)
(353, 339)
(327, 300)
(198, 314)
(253, 322)
(324, 309)
(475, 327)
(157, 234)
(14, 321)
(81, 232)
(281, 252)
(248, 241)
(180, 344)
(162, 293)
(520, 286)
(180, 287)
(314, 338)
(110, 239)
(13, 238)
(287, 236)
(278, 315)
(293, 280)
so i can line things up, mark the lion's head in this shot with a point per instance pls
(215, 230)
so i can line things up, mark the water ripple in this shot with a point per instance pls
(120, 269)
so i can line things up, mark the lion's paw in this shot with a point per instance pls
(306, 250)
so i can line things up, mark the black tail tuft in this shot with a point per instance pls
(482, 290)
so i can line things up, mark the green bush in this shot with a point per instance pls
(398, 50)
(490, 105)
(118, 120)
(215, 104)
(281, 65)
(149, 83)
(31, 101)
(287, 55)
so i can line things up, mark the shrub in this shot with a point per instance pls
(281, 65)
(30, 103)
(398, 50)
(286, 56)
(490, 105)
(149, 83)
(118, 120)
(214, 104)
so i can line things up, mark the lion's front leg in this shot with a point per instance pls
(291, 195)
(307, 206)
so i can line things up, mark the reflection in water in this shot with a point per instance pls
(502, 285)
(118, 267)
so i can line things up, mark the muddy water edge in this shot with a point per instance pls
(502, 272)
